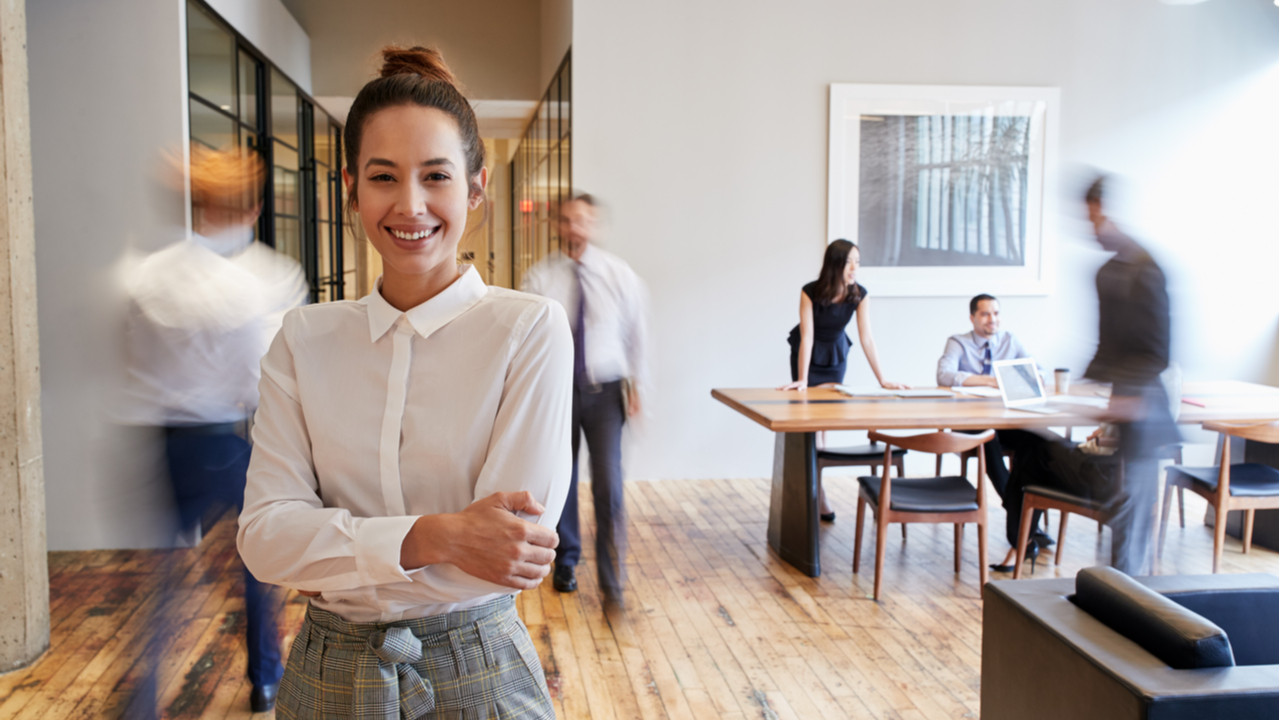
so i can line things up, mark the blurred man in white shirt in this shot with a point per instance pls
(605, 302)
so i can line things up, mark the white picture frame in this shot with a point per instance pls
(953, 247)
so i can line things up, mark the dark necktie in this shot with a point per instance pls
(986, 359)
(580, 332)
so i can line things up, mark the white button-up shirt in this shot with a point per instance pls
(370, 418)
(615, 327)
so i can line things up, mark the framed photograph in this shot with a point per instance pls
(945, 189)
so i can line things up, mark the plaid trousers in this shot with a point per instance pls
(469, 665)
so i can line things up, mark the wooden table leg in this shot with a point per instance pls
(793, 504)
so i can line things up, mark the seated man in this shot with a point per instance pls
(967, 361)
(1086, 469)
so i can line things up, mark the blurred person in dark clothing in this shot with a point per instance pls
(1133, 350)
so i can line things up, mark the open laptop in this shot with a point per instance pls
(1022, 389)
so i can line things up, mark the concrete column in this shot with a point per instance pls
(24, 568)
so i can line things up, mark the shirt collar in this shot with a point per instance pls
(981, 342)
(590, 257)
(431, 315)
(226, 243)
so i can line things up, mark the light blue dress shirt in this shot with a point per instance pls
(966, 354)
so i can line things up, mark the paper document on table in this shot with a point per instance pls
(864, 392)
(924, 393)
(980, 391)
(1085, 400)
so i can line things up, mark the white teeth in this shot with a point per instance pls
(411, 236)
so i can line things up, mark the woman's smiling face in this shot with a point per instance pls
(412, 193)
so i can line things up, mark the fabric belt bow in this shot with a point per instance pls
(386, 685)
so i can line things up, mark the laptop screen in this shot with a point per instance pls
(1019, 380)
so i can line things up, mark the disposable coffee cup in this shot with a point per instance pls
(1061, 380)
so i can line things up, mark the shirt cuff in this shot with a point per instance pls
(377, 549)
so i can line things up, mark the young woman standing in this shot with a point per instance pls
(412, 448)
(819, 344)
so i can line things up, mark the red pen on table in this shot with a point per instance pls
(1189, 401)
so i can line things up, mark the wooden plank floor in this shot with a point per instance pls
(716, 626)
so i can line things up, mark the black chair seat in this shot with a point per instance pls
(1055, 494)
(871, 453)
(925, 495)
(1247, 479)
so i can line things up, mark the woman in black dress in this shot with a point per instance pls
(819, 344)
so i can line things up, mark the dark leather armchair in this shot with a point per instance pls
(1101, 647)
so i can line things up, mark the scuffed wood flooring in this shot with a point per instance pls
(715, 627)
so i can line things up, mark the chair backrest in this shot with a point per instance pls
(1258, 432)
(943, 441)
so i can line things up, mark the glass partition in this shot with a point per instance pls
(239, 99)
(542, 176)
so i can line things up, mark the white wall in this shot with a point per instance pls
(102, 115)
(99, 116)
(704, 125)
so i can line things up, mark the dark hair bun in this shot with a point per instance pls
(416, 60)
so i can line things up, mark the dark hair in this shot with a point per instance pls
(1096, 190)
(413, 76)
(831, 285)
(973, 304)
(583, 197)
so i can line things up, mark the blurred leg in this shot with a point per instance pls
(602, 421)
(570, 548)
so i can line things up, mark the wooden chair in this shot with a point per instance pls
(949, 499)
(1227, 487)
(871, 455)
(1039, 497)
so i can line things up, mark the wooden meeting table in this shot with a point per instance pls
(795, 416)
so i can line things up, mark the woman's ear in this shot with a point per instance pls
(478, 184)
(350, 182)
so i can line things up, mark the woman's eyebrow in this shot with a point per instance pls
(433, 162)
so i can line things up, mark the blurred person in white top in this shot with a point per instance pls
(205, 308)
(202, 314)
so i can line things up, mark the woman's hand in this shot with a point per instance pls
(487, 540)
(797, 385)
(894, 385)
